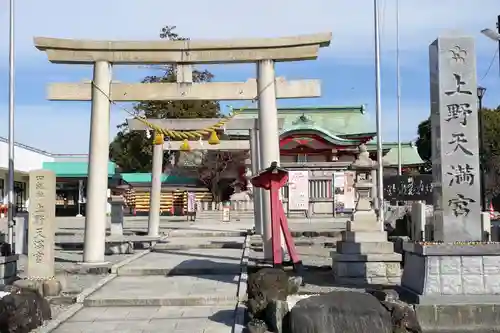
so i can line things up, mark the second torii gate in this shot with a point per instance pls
(252, 125)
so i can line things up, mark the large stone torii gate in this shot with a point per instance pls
(102, 54)
(251, 125)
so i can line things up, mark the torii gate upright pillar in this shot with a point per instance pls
(155, 192)
(97, 189)
(269, 141)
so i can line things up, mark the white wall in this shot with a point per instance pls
(25, 158)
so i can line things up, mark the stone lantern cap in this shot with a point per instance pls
(363, 162)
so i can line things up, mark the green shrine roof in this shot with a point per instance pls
(137, 178)
(333, 122)
(409, 153)
(74, 169)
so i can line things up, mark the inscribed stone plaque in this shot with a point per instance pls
(455, 147)
(41, 228)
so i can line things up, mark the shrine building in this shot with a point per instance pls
(329, 137)
(325, 141)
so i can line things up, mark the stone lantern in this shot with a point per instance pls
(364, 256)
(364, 212)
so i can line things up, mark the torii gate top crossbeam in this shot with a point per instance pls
(184, 52)
(197, 123)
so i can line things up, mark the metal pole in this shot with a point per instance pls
(11, 127)
(481, 152)
(398, 88)
(378, 108)
(498, 30)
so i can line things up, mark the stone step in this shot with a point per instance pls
(200, 243)
(364, 236)
(180, 271)
(219, 214)
(180, 233)
(167, 291)
(366, 282)
(306, 241)
(134, 241)
(208, 300)
(307, 234)
(218, 319)
(366, 257)
(185, 262)
(366, 247)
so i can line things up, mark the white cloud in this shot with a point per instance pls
(351, 21)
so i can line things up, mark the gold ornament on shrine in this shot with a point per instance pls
(185, 146)
(213, 139)
(158, 139)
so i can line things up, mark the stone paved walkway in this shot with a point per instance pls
(177, 291)
(145, 319)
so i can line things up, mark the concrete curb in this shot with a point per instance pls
(90, 290)
(186, 301)
(63, 316)
(240, 310)
(242, 286)
(115, 267)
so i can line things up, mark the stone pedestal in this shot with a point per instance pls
(8, 269)
(452, 273)
(117, 203)
(364, 255)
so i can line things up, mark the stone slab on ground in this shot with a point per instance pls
(167, 290)
(310, 255)
(186, 262)
(180, 243)
(322, 241)
(172, 319)
(196, 233)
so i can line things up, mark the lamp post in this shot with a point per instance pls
(398, 89)
(378, 109)
(494, 35)
(10, 195)
(480, 94)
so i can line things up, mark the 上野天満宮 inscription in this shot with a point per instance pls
(454, 118)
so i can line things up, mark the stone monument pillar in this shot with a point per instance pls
(41, 234)
(155, 194)
(364, 256)
(455, 150)
(454, 266)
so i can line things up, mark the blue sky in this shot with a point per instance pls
(346, 68)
